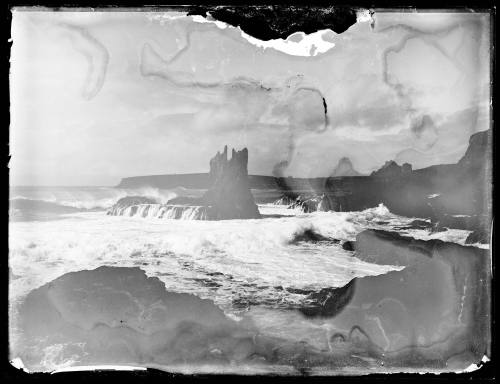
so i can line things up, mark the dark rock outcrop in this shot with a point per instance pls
(478, 152)
(478, 236)
(465, 200)
(329, 301)
(129, 201)
(439, 192)
(306, 203)
(416, 224)
(348, 246)
(285, 200)
(391, 169)
(230, 192)
(309, 234)
(324, 202)
(229, 195)
(436, 309)
(450, 195)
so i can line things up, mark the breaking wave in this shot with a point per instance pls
(161, 211)
(235, 260)
(89, 198)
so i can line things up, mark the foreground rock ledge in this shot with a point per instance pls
(434, 315)
(437, 309)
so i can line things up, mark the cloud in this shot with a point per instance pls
(173, 92)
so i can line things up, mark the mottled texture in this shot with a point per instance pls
(120, 316)
(436, 309)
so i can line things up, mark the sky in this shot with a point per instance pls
(97, 96)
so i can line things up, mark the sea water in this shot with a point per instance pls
(249, 268)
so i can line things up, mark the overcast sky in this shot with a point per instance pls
(100, 96)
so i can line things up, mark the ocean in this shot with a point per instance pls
(252, 269)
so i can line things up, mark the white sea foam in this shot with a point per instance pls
(91, 197)
(162, 211)
(252, 252)
(230, 261)
(223, 260)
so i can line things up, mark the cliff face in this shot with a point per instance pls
(478, 152)
(229, 193)
(439, 192)
(468, 191)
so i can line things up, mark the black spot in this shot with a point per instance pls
(273, 22)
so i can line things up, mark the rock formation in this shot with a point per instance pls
(434, 314)
(318, 202)
(392, 169)
(344, 168)
(228, 197)
(436, 309)
(444, 193)
(114, 315)
(119, 316)
(230, 194)
(467, 190)
(140, 206)
(478, 152)
(127, 202)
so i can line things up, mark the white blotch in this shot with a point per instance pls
(363, 16)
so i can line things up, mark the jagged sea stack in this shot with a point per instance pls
(229, 193)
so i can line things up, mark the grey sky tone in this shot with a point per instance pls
(100, 96)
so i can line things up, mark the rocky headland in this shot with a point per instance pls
(228, 195)
(450, 195)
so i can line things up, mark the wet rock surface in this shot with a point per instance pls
(433, 313)
(329, 301)
(478, 236)
(114, 315)
(436, 308)
(230, 192)
(228, 197)
(129, 201)
(348, 245)
(310, 235)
